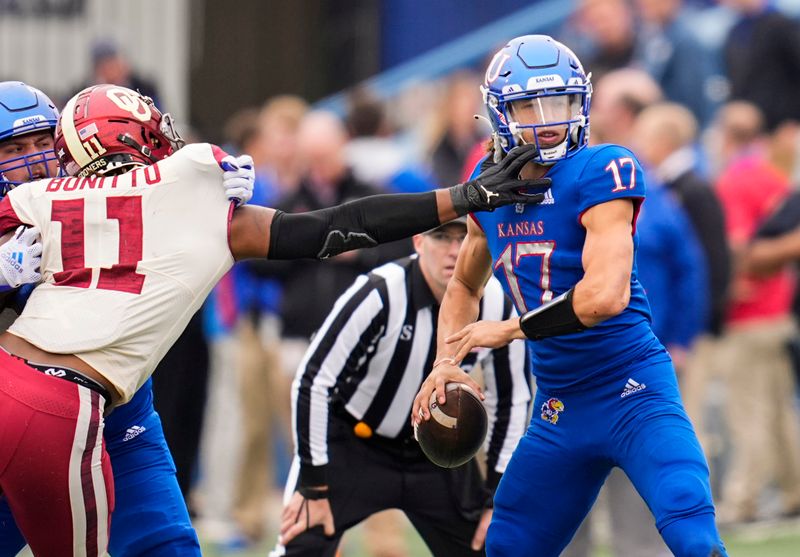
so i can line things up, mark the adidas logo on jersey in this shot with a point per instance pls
(134, 431)
(632, 387)
(548, 200)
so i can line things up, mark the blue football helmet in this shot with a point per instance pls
(23, 110)
(536, 91)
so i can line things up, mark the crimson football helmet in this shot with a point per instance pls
(106, 129)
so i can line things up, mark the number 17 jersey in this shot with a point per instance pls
(537, 252)
(127, 260)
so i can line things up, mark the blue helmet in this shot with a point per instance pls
(538, 73)
(23, 110)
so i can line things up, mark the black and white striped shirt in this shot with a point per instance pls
(372, 353)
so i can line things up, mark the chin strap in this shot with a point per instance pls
(143, 149)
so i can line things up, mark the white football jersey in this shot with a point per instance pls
(127, 261)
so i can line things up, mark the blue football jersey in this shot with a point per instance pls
(536, 254)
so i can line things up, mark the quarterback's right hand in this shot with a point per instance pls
(499, 184)
(21, 258)
(444, 371)
(302, 514)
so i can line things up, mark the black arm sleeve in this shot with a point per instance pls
(785, 219)
(708, 220)
(556, 317)
(357, 224)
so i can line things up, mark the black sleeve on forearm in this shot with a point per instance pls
(785, 219)
(357, 224)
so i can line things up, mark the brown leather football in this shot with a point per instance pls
(456, 429)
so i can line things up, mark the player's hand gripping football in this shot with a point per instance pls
(444, 371)
(239, 178)
(302, 514)
(484, 334)
(21, 258)
(499, 184)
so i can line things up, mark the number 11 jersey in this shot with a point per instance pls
(127, 260)
(536, 254)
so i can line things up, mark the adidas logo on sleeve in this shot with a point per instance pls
(632, 387)
(134, 431)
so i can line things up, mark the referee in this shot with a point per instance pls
(351, 398)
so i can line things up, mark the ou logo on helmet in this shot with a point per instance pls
(130, 102)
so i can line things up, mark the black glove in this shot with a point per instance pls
(499, 184)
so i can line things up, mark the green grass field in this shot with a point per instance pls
(757, 540)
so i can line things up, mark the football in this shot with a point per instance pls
(456, 429)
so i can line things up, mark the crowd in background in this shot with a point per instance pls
(716, 126)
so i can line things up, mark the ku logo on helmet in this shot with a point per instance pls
(129, 102)
(493, 71)
(535, 84)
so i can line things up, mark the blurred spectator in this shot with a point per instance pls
(455, 129)
(279, 161)
(784, 149)
(754, 355)
(674, 279)
(242, 326)
(762, 58)
(109, 65)
(220, 455)
(373, 152)
(618, 99)
(311, 287)
(263, 388)
(669, 51)
(603, 35)
(665, 134)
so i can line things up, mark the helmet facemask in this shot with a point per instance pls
(536, 92)
(554, 120)
(42, 164)
(550, 121)
(149, 146)
(28, 120)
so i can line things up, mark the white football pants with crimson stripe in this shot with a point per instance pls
(54, 469)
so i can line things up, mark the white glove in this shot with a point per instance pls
(239, 178)
(21, 257)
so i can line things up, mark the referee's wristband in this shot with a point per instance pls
(311, 476)
(313, 493)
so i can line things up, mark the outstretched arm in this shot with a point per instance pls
(258, 232)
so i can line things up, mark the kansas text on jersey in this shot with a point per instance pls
(536, 254)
